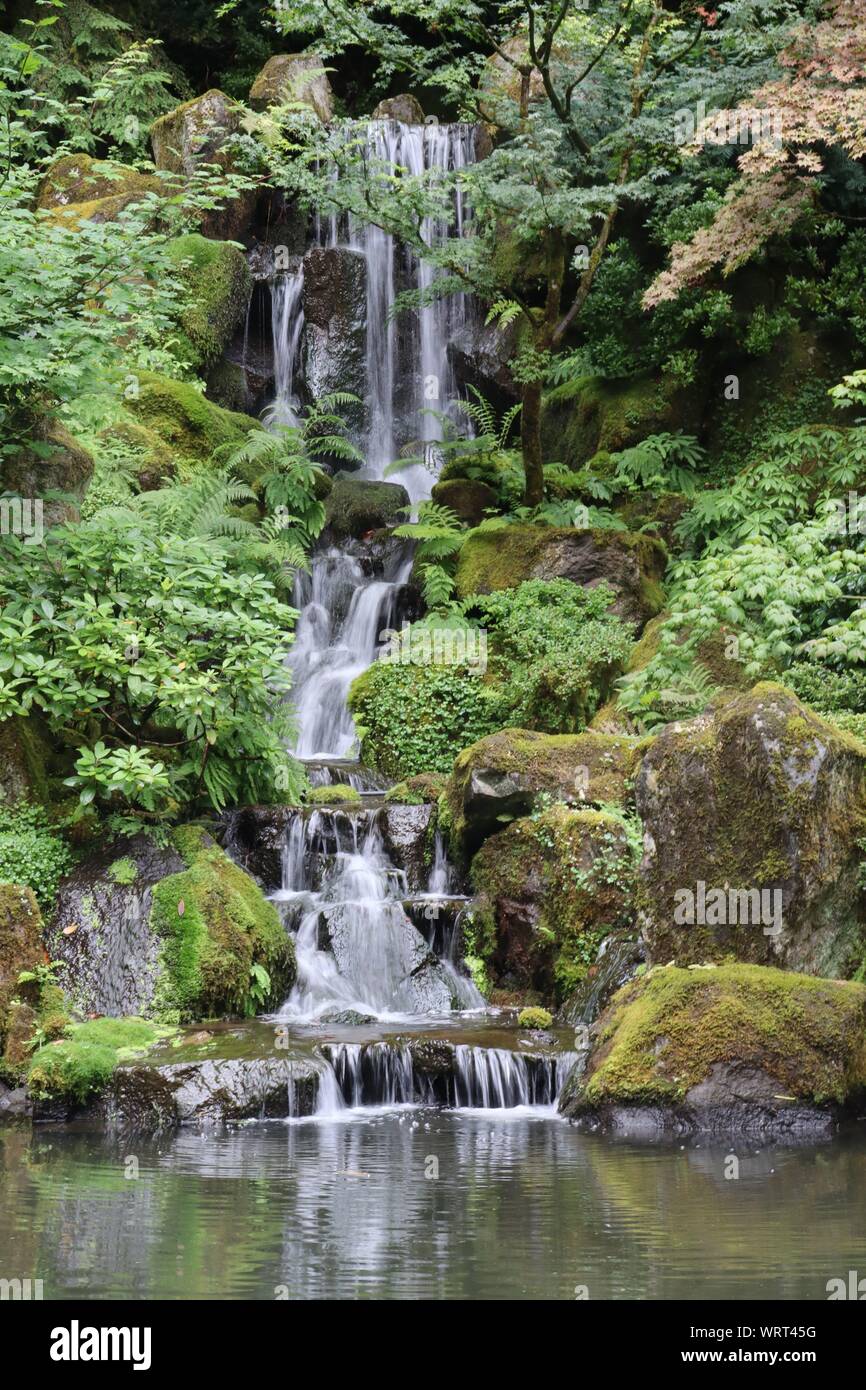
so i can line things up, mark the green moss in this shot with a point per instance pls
(422, 789)
(217, 928)
(334, 796)
(217, 283)
(24, 751)
(534, 1018)
(357, 505)
(76, 1067)
(663, 1033)
(123, 871)
(80, 179)
(572, 873)
(185, 421)
(591, 415)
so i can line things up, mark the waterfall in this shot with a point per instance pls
(287, 316)
(358, 952)
(342, 614)
(461, 1077)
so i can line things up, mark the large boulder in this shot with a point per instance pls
(507, 774)
(468, 498)
(403, 108)
(752, 816)
(550, 889)
(199, 132)
(630, 565)
(255, 837)
(217, 285)
(210, 1093)
(482, 354)
(335, 318)
(355, 506)
(79, 186)
(175, 931)
(408, 836)
(734, 1048)
(298, 77)
(20, 942)
(60, 464)
(178, 428)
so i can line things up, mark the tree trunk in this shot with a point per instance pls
(530, 441)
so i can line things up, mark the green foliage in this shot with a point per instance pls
(534, 1018)
(555, 652)
(31, 852)
(80, 1065)
(414, 718)
(156, 655)
(123, 871)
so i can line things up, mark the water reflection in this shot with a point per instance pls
(522, 1207)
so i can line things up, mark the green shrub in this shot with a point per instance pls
(417, 718)
(77, 1066)
(31, 852)
(555, 652)
(826, 689)
(534, 1018)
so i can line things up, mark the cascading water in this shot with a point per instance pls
(357, 949)
(287, 315)
(342, 614)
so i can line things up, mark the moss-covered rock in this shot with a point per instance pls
(418, 790)
(338, 794)
(752, 816)
(182, 420)
(738, 1047)
(355, 506)
(79, 178)
(61, 465)
(217, 283)
(70, 1071)
(224, 948)
(295, 77)
(468, 498)
(20, 942)
(552, 886)
(200, 132)
(584, 417)
(404, 107)
(631, 565)
(79, 186)
(507, 774)
(24, 751)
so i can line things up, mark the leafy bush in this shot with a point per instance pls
(826, 689)
(417, 718)
(161, 656)
(556, 650)
(31, 852)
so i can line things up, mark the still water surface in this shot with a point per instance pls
(523, 1207)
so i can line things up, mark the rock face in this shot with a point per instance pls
(468, 498)
(200, 132)
(217, 284)
(631, 565)
(355, 506)
(209, 1094)
(101, 928)
(335, 315)
(66, 467)
(23, 753)
(751, 815)
(408, 976)
(254, 838)
(483, 352)
(20, 942)
(177, 929)
(404, 108)
(407, 832)
(297, 77)
(550, 889)
(734, 1048)
(502, 777)
(593, 415)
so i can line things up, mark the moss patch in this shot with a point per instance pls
(220, 933)
(663, 1032)
(217, 283)
(339, 794)
(76, 1067)
(185, 422)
